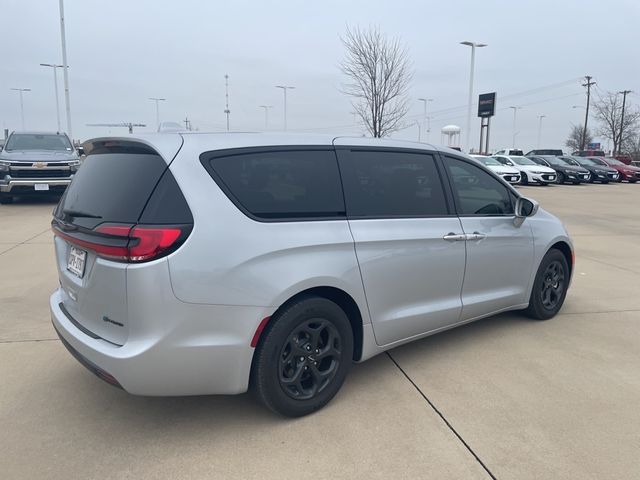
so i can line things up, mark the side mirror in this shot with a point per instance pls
(526, 207)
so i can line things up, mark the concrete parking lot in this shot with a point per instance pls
(505, 398)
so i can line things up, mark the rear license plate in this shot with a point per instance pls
(76, 260)
(41, 186)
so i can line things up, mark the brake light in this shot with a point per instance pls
(128, 243)
(151, 242)
(144, 243)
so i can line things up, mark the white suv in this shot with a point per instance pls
(196, 264)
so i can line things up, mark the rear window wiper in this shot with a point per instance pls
(78, 213)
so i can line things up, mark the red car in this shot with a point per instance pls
(627, 172)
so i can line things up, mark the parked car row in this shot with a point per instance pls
(543, 169)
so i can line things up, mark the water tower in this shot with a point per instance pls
(452, 132)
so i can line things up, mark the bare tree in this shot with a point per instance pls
(574, 140)
(379, 74)
(608, 112)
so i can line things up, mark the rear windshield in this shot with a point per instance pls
(32, 141)
(111, 187)
(548, 152)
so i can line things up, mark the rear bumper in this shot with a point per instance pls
(195, 356)
(29, 184)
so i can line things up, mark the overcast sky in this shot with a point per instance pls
(121, 52)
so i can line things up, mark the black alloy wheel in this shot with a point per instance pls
(303, 357)
(553, 285)
(310, 359)
(550, 286)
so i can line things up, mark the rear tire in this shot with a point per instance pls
(303, 357)
(549, 287)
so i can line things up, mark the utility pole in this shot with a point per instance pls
(266, 115)
(226, 94)
(624, 99)
(589, 84)
(55, 67)
(20, 90)
(284, 90)
(515, 110)
(187, 123)
(65, 70)
(157, 100)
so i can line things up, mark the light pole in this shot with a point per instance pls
(284, 90)
(55, 86)
(20, 90)
(266, 115)
(473, 57)
(227, 112)
(424, 114)
(157, 100)
(515, 109)
(65, 70)
(540, 117)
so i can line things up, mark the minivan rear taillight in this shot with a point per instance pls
(129, 243)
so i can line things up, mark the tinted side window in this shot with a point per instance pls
(388, 183)
(477, 192)
(286, 184)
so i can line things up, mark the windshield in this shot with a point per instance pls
(591, 161)
(489, 161)
(522, 161)
(571, 161)
(32, 141)
(556, 161)
(613, 161)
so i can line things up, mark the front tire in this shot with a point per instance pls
(303, 357)
(549, 287)
(560, 178)
(5, 199)
(524, 179)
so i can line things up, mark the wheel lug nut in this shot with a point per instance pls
(302, 359)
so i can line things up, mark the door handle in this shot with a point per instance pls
(476, 236)
(454, 237)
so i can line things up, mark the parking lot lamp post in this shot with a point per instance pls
(424, 115)
(266, 115)
(20, 90)
(55, 67)
(157, 100)
(284, 90)
(65, 70)
(540, 117)
(515, 110)
(473, 56)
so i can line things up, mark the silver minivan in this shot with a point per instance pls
(197, 264)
